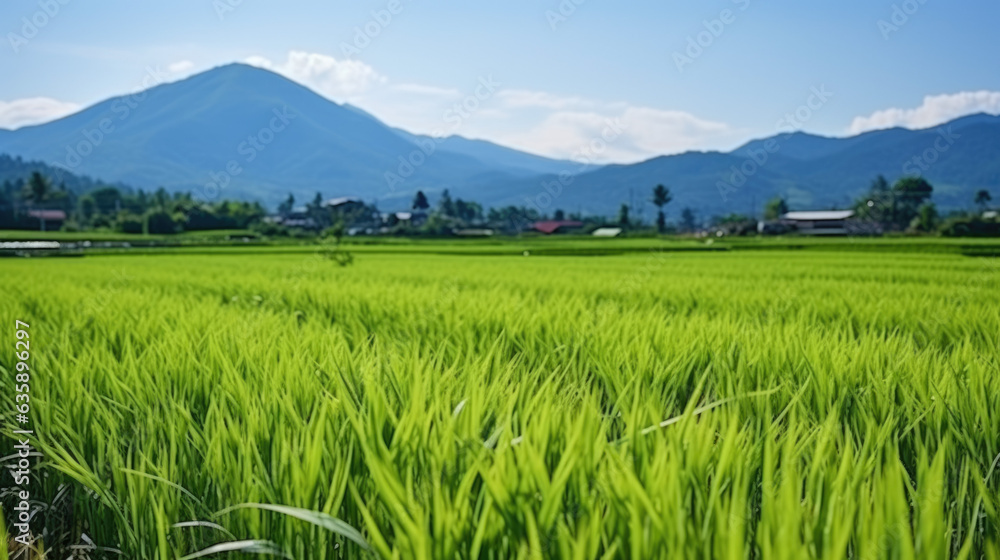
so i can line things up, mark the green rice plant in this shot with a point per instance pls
(743, 404)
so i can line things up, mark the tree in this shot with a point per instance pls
(909, 193)
(468, 211)
(107, 199)
(159, 222)
(661, 197)
(446, 204)
(983, 199)
(161, 198)
(775, 208)
(286, 207)
(880, 185)
(878, 204)
(559, 215)
(926, 219)
(513, 217)
(736, 224)
(38, 187)
(420, 201)
(688, 221)
(141, 201)
(623, 215)
(897, 206)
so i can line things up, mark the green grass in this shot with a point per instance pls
(815, 404)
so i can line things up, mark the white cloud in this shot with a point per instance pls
(536, 121)
(935, 110)
(33, 110)
(336, 79)
(430, 91)
(521, 99)
(622, 135)
(180, 67)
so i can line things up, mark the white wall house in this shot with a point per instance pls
(822, 222)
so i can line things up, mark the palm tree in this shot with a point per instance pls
(661, 197)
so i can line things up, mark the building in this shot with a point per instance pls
(344, 204)
(48, 219)
(549, 227)
(823, 222)
(474, 232)
(415, 218)
(607, 232)
(299, 218)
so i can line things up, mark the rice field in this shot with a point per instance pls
(756, 404)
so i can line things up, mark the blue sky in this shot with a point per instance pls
(674, 75)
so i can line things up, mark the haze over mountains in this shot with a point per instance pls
(239, 131)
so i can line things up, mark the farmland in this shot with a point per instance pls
(480, 403)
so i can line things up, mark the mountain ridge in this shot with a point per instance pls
(246, 132)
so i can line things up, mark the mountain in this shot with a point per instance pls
(239, 131)
(809, 171)
(512, 160)
(242, 131)
(693, 179)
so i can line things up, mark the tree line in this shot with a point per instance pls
(116, 209)
(904, 206)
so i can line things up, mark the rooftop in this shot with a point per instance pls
(340, 201)
(607, 232)
(819, 215)
(47, 214)
(550, 226)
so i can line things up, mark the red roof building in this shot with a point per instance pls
(49, 215)
(549, 227)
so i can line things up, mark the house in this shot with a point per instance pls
(299, 218)
(549, 227)
(344, 204)
(822, 222)
(48, 219)
(416, 218)
(474, 232)
(607, 232)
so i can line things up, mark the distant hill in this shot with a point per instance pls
(513, 161)
(490, 154)
(257, 135)
(184, 135)
(811, 172)
(16, 170)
